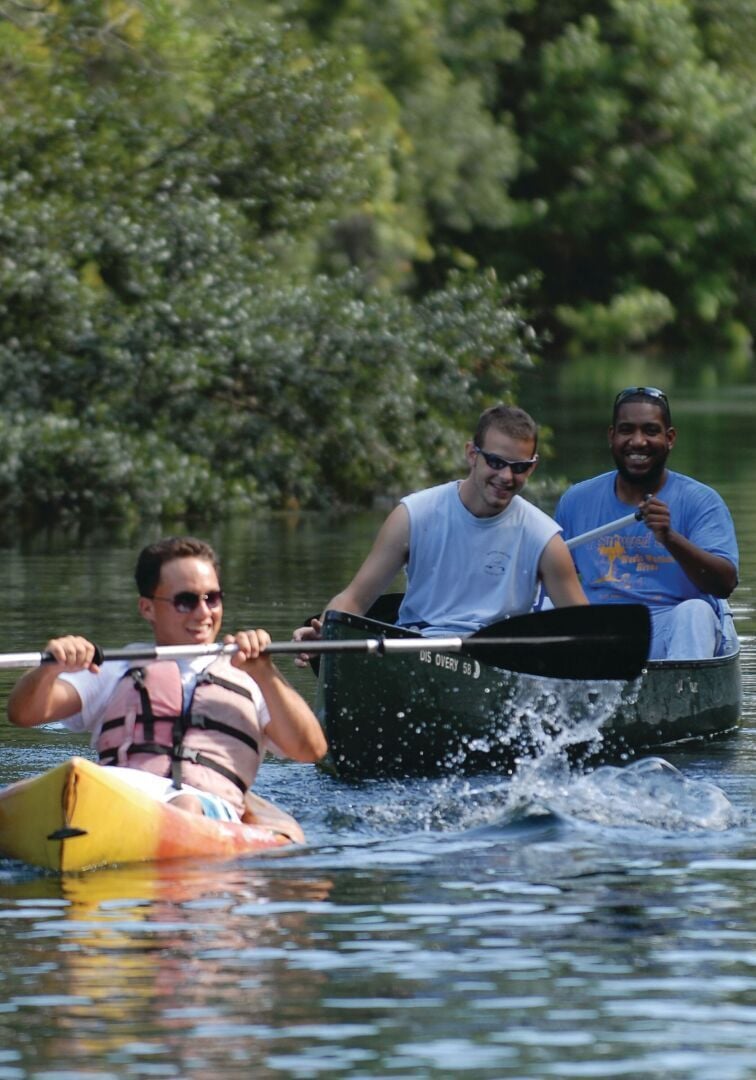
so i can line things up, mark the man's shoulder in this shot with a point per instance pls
(433, 490)
(584, 489)
(524, 509)
(681, 485)
(430, 495)
(685, 481)
(586, 503)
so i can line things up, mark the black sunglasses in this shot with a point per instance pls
(493, 461)
(184, 602)
(651, 392)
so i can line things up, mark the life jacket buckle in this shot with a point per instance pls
(186, 753)
(137, 677)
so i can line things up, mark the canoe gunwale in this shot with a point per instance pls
(703, 664)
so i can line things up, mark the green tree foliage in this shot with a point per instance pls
(728, 30)
(439, 59)
(641, 153)
(182, 328)
(609, 145)
(252, 252)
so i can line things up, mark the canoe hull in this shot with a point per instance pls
(430, 714)
(78, 815)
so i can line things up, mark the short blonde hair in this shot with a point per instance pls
(509, 419)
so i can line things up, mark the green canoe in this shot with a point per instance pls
(429, 713)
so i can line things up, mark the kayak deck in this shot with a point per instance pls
(78, 815)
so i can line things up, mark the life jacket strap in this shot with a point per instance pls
(177, 735)
(183, 753)
(118, 721)
(109, 757)
(218, 680)
(196, 757)
(205, 723)
(148, 717)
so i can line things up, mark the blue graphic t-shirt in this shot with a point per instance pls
(630, 565)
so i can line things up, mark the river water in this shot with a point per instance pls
(555, 925)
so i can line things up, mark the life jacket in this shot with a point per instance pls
(213, 744)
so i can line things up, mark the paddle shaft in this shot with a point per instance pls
(611, 526)
(600, 641)
(379, 646)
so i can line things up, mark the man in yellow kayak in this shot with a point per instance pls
(196, 729)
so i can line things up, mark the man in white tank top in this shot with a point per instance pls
(474, 550)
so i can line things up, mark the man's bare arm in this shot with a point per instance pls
(39, 696)
(293, 726)
(387, 556)
(557, 571)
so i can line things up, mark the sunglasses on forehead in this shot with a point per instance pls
(184, 602)
(493, 461)
(650, 392)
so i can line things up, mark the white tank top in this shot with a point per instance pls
(465, 572)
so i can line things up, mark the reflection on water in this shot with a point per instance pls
(554, 925)
(428, 923)
(136, 959)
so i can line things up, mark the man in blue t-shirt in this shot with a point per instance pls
(680, 558)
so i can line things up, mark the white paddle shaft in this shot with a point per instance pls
(620, 523)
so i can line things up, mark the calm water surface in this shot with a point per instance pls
(555, 925)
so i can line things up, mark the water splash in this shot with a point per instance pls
(648, 792)
(560, 720)
(547, 719)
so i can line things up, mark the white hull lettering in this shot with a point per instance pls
(471, 668)
(450, 662)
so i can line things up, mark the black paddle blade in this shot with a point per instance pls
(598, 641)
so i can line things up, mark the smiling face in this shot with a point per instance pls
(640, 442)
(171, 627)
(486, 491)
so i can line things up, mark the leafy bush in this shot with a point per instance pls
(253, 254)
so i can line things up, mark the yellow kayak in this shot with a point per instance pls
(80, 815)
